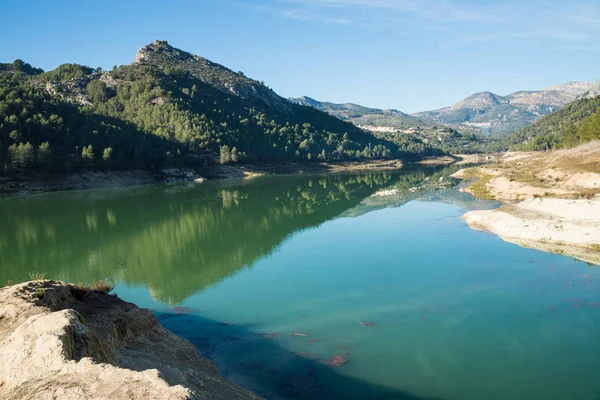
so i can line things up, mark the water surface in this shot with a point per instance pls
(310, 286)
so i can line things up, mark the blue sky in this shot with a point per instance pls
(412, 55)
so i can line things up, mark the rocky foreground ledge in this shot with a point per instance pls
(59, 342)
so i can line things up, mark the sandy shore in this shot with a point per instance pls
(553, 200)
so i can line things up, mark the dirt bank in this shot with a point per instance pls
(554, 200)
(94, 179)
(57, 343)
(104, 179)
(253, 170)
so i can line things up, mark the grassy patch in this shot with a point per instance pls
(471, 173)
(480, 189)
(37, 276)
(39, 293)
(81, 290)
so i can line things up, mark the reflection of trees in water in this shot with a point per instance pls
(176, 242)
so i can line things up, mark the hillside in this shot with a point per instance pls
(576, 123)
(396, 126)
(361, 115)
(490, 114)
(169, 106)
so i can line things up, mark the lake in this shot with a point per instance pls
(357, 286)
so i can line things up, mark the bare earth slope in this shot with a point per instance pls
(54, 345)
(560, 200)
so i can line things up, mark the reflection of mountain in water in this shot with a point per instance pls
(175, 239)
(427, 184)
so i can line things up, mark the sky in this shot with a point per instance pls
(411, 55)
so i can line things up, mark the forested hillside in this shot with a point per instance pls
(576, 123)
(169, 106)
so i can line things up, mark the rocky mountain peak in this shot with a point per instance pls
(162, 55)
(478, 100)
(162, 49)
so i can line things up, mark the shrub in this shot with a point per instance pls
(37, 276)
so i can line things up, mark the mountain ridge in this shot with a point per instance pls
(168, 106)
(495, 115)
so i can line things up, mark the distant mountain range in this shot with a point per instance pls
(484, 113)
(396, 126)
(361, 115)
(490, 114)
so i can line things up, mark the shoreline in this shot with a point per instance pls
(51, 182)
(551, 200)
(16, 185)
(60, 340)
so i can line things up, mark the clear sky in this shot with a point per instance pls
(412, 55)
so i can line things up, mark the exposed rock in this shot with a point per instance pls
(160, 54)
(561, 192)
(72, 91)
(555, 225)
(55, 343)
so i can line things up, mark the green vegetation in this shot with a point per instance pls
(171, 107)
(81, 290)
(405, 127)
(577, 123)
(480, 190)
(66, 72)
(39, 293)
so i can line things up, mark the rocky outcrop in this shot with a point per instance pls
(160, 54)
(556, 225)
(559, 192)
(60, 342)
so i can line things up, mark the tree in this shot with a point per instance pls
(107, 154)
(87, 153)
(21, 156)
(225, 155)
(44, 154)
(98, 91)
(15, 135)
(322, 156)
(235, 155)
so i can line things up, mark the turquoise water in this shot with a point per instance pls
(308, 287)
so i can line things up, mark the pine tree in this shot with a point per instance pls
(44, 154)
(107, 154)
(235, 155)
(225, 155)
(21, 156)
(88, 153)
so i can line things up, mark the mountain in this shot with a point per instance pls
(396, 126)
(490, 114)
(576, 123)
(361, 115)
(168, 106)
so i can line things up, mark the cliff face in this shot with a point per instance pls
(55, 343)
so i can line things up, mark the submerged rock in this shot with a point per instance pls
(53, 345)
